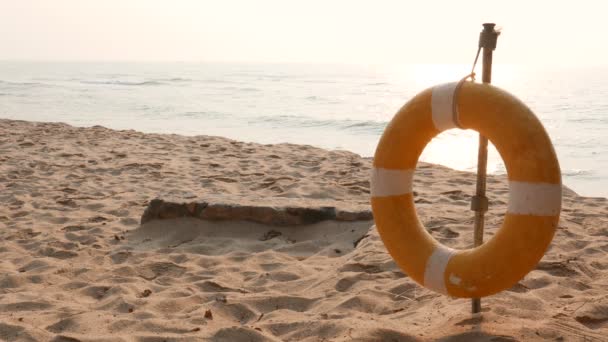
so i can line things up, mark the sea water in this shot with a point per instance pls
(330, 106)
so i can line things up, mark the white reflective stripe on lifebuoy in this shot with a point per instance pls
(389, 182)
(537, 199)
(434, 278)
(442, 102)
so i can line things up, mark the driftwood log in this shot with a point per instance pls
(272, 213)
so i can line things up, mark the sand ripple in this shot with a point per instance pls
(75, 265)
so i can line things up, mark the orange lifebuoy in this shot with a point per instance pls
(534, 190)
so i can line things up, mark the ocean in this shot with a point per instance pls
(330, 106)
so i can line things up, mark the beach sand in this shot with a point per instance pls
(76, 265)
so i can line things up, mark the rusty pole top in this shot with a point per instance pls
(487, 41)
(488, 37)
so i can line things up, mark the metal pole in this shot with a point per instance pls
(487, 41)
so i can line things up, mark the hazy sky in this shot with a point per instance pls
(326, 31)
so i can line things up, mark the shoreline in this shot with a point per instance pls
(75, 262)
(332, 109)
(493, 174)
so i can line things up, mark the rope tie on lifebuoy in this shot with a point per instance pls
(457, 90)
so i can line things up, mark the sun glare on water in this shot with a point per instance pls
(454, 148)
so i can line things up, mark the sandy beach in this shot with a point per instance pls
(77, 265)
